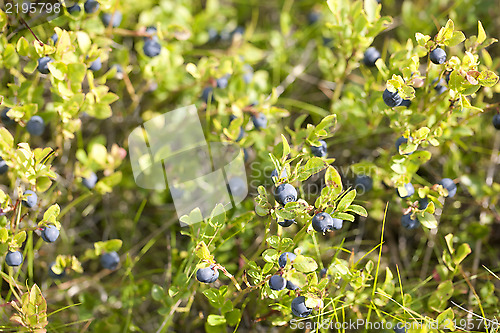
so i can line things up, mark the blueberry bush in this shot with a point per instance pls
(369, 131)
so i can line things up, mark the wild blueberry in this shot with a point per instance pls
(322, 222)
(399, 328)
(440, 86)
(110, 260)
(259, 121)
(151, 48)
(207, 94)
(50, 234)
(53, 275)
(3, 166)
(291, 286)
(371, 56)
(31, 199)
(6, 119)
(96, 65)
(409, 189)
(284, 257)
(399, 142)
(43, 64)
(337, 223)
(286, 223)
(35, 125)
(423, 203)
(238, 187)
(322, 273)
(409, 223)
(448, 184)
(117, 19)
(223, 81)
(14, 258)
(90, 181)
(277, 282)
(91, 6)
(54, 38)
(391, 99)
(327, 41)
(247, 73)
(319, 151)
(285, 193)
(438, 56)
(74, 9)
(313, 17)
(207, 275)
(299, 307)
(405, 102)
(284, 173)
(364, 183)
(151, 31)
(496, 121)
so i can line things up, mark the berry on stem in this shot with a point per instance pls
(299, 307)
(321, 150)
(208, 274)
(285, 193)
(43, 64)
(322, 222)
(450, 185)
(110, 260)
(391, 99)
(277, 282)
(371, 56)
(31, 199)
(438, 56)
(409, 223)
(14, 258)
(284, 257)
(50, 234)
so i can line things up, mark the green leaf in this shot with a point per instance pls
(360, 210)
(113, 245)
(202, 251)
(343, 216)
(445, 320)
(218, 216)
(463, 251)
(457, 38)
(286, 148)
(304, 264)
(333, 180)
(346, 200)
(446, 32)
(270, 255)
(4, 235)
(214, 320)
(157, 292)
(421, 38)
(487, 78)
(428, 220)
(481, 35)
(233, 317)
(440, 297)
(20, 238)
(312, 167)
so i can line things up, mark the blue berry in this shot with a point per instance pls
(277, 282)
(207, 94)
(54, 275)
(400, 141)
(406, 102)
(259, 121)
(54, 38)
(74, 9)
(391, 99)
(337, 223)
(285, 193)
(284, 173)
(6, 119)
(322, 222)
(117, 19)
(247, 73)
(321, 150)
(50, 234)
(43, 64)
(299, 307)
(35, 125)
(440, 86)
(438, 56)
(313, 17)
(448, 184)
(286, 223)
(151, 31)
(3, 166)
(31, 199)
(322, 273)
(371, 56)
(364, 183)
(90, 181)
(14, 258)
(223, 81)
(423, 203)
(207, 275)
(399, 328)
(291, 286)
(284, 257)
(409, 223)
(96, 65)
(151, 48)
(110, 260)
(91, 6)
(409, 189)
(496, 121)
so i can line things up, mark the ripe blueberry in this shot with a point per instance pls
(496, 121)
(35, 125)
(322, 222)
(371, 56)
(285, 193)
(3, 166)
(90, 181)
(406, 102)
(117, 19)
(207, 275)
(110, 260)
(440, 86)
(54, 38)
(286, 223)
(322, 273)
(448, 184)
(53, 275)
(291, 286)
(399, 328)
(74, 9)
(313, 17)
(14, 258)
(50, 234)
(399, 142)
(151, 48)
(364, 183)
(409, 189)
(438, 56)
(284, 173)
(151, 31)
(43, 64)
(96, 65)
(319, 151)
(391, 99)
(409, 223)
(6, 119)
(259, 121)
(31, 199)
(276, 282)
(423, 203)
(299, 307)
(284, 257)
(223, 81)
(91, 6)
